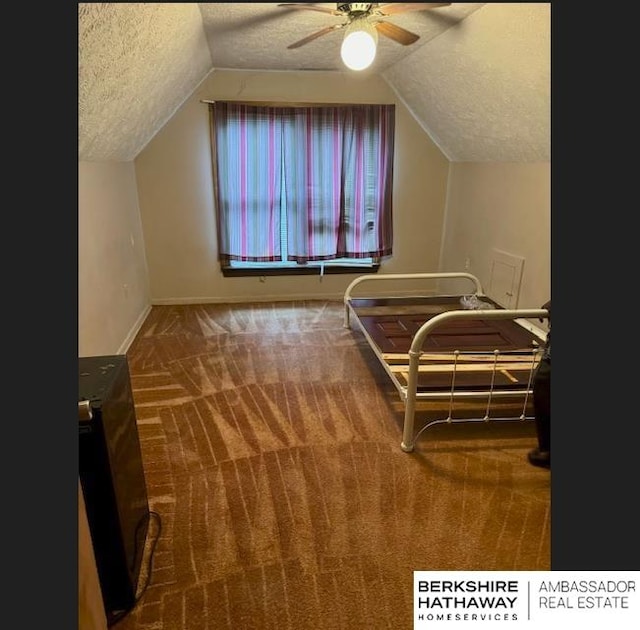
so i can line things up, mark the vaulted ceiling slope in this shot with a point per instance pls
(478, 80)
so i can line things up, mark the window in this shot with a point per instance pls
(297, 188)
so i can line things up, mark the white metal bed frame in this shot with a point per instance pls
(494, 362)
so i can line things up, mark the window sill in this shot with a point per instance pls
(313, 270)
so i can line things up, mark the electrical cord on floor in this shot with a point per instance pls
(116, 617)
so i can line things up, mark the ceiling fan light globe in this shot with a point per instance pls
(358, 48)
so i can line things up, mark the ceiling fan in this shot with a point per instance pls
(363, 21)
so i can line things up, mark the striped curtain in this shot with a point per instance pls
(248, 190)
(328, 169)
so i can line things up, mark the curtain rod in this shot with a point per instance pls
(285, 104)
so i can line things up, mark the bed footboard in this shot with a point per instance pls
(492, 363)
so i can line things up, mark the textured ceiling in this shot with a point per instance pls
(477, 80)
(256, 35)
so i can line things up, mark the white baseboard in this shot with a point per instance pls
(247, 298)
(134, 330)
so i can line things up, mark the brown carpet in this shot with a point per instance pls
(271, 438)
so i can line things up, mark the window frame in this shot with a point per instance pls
(306, 269)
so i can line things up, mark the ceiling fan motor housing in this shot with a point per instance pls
(354, 7)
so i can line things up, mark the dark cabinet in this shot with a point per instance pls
(112, 478)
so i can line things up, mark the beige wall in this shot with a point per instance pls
(505, 207)
(176, 194)
(113, 294)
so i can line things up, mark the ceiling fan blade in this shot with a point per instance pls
(394, 8)
(313, 36)
(397, 33)
(310, 7)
